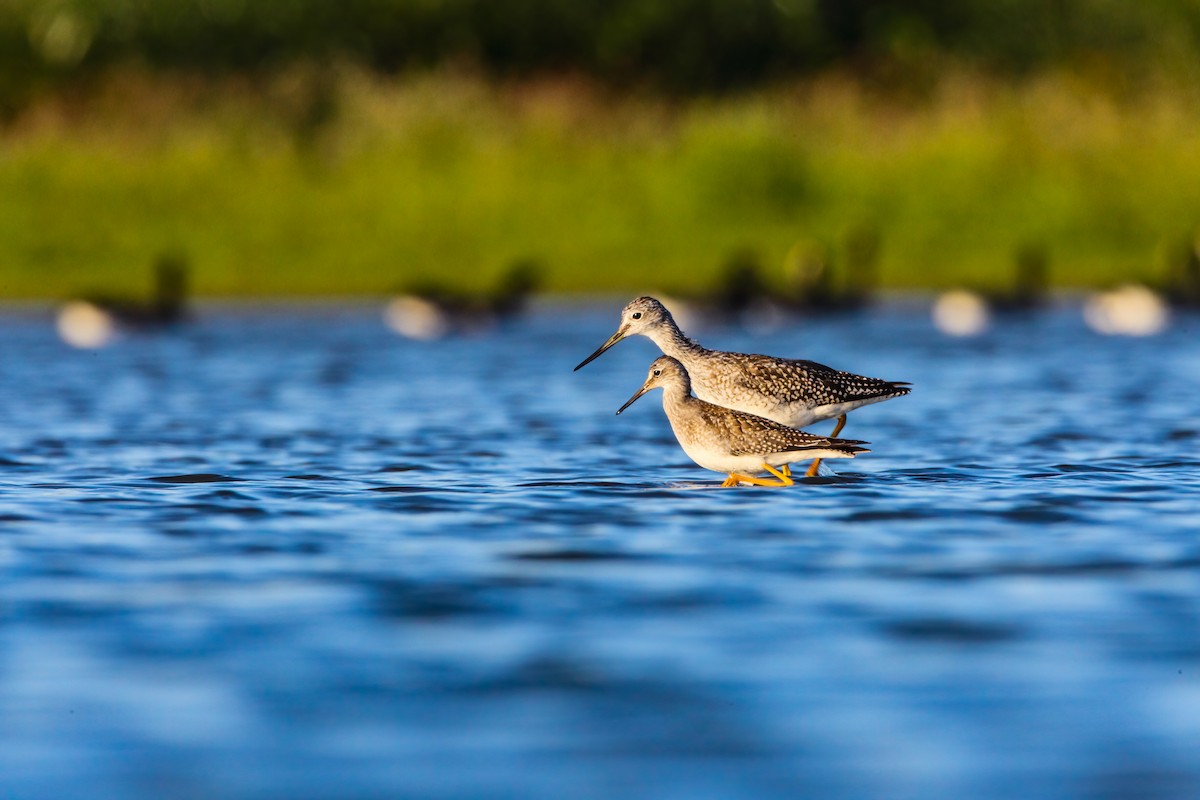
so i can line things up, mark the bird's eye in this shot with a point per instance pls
(636, 315)
(658, 372)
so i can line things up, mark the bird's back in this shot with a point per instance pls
(792, 392)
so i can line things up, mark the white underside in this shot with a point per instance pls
(794, 415)
(797, 415)
(719, 461)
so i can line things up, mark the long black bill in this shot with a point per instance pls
(633, 399)
(616, 337)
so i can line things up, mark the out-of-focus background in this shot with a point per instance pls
(254, 544)
(300, 147)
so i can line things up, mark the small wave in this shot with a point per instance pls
(201, 509)
(1038, 514)
(400, 489)
(570, 554)
(226, 494)
(897, 515)
(1168, 463)
(266, 548)
(573, 485)
(943, 475)
(544, 674)
(692, 486)
(1085, 468)
(1059, 437)
(956, 631)
(401, 599)
(198, 477)
(1090, 567)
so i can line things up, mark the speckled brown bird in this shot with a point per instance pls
(792, 392)
(740, 445)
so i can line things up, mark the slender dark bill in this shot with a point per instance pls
(616, 337)
(631, 400)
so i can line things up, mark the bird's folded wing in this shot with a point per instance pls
(794, 380)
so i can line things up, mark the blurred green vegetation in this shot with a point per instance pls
(308, 147)
(452, 178)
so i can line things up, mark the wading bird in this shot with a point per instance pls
(738, 444)
(788, 391)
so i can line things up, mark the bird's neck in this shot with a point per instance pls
(677, 393)
(673, 343)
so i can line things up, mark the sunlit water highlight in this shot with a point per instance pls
(286, 553)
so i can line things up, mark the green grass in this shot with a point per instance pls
(452, 179)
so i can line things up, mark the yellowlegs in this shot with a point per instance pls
(789, 391)
(738, 444)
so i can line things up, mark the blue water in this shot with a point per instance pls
(283, 553)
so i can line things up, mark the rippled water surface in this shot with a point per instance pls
(283, 553)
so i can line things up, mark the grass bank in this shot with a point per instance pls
(306, 184)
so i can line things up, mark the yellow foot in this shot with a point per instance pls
(783, 480)
(735, 479)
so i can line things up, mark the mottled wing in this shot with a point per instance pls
(746, 434)
(794, 380)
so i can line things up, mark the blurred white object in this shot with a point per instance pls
(961, 313)
(416, 318)
(1129, 310)
(85, 325)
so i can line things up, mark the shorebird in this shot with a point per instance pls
(788, 391)
(738, 444)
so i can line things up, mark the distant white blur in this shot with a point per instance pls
(416, 318)
(961, 313)
(1127, 311)
(85, 325)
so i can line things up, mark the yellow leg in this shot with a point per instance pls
(838, 428)
(732, 480)
(786, 469)
(756, 481)
(816, 465)
(784, 480)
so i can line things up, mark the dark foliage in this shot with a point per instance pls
(682, 46)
